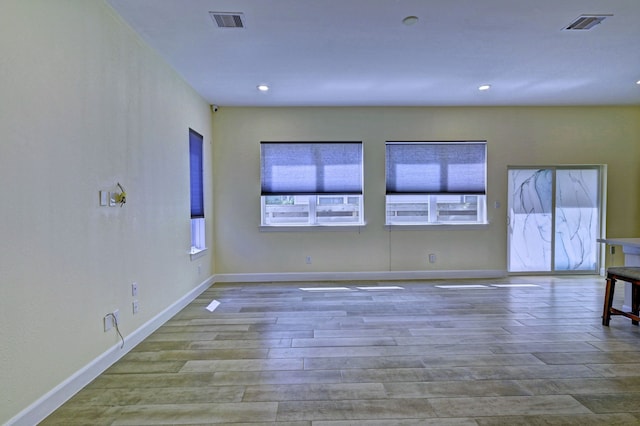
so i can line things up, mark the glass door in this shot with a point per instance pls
(553, 219)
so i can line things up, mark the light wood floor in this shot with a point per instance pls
(534, 353)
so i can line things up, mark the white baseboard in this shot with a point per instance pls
(57, 396)
(358, 276)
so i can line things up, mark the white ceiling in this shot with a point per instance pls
(359, 53)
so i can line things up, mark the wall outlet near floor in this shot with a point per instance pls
(135, 306)
(111, 319)
(308, 260)
(108, 322)
(432, 258)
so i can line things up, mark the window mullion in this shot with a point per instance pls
(313, 219)
(433, 208)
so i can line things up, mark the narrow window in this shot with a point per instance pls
(311, 183)
(197, 193)
(431, 183)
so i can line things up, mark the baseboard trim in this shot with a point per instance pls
(361, 276)
(49, 402)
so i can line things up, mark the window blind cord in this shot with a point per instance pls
(115, 323)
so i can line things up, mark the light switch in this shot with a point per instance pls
(104, 195)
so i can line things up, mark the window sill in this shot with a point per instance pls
(438, 227)
(197, 253)
(311, 228)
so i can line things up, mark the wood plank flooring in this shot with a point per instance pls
(513, 351)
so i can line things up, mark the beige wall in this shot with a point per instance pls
(515, 136)
(85, 104)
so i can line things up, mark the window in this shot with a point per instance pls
(311, 183)
(197, 193)
(431, 183)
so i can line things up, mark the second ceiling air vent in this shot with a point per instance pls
(585, 22)
(228, 19)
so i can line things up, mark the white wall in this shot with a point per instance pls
(515, 136)
(84, 104)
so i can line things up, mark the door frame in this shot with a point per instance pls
(601, 202)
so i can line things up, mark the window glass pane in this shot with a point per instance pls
(457, 208)
(576, 219)
(285, 210)
(435, 209)
(311, 210)
(338, 209)
(407, 209)
(530, 219)
(197, 235)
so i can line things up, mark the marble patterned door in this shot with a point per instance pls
(553, 219)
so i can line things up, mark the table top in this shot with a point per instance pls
(625, 242)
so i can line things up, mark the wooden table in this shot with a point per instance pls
(631, 250)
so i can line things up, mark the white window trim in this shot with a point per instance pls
(198, 238)
(346, 227)
(432, 198)
(437, 226)
(312, 221)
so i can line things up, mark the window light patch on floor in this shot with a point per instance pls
(462, 286)
(513, 285)
(325, 289)
(213, 305)
(373, 288)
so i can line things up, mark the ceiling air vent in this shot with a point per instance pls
(585, 22)
(227, 19)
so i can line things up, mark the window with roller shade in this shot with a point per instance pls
(431, 183)
(196, 188)
(311, 183)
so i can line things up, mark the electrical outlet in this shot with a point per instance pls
(432, 258)
(308, 260)
(136, 307)
(108, 322)
(134, 289)
(111, 319)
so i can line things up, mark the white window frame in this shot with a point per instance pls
(198, 232)
(472, 207)
(303, 198)
(347, 213)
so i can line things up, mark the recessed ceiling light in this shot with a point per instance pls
(410, 20)
(484, 87)
(638, 82)
(263, 87)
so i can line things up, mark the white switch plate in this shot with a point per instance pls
(134, 289)
(104, 195)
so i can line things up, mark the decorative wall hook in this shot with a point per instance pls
(121, 198)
